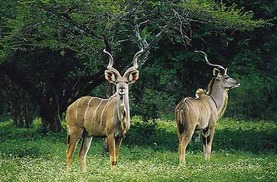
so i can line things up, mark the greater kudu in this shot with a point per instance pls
(91, 117)
(202, 112)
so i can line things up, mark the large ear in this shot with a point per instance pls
(111, 75)
(215, 72)
(132, 76)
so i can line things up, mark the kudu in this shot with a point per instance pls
(202, 112)
(90, 117)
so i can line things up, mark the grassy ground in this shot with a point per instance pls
(243, 151)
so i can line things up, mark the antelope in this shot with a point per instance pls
(90, 117)
(203, 111)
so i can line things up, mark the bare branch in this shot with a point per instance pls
(81, 28)
(181, 27)
(143, 43)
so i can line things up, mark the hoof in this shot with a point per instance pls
(113, 164)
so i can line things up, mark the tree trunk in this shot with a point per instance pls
(54, 90)
(50, 117)
(51, 123)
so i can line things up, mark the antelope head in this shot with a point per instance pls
(122, 82)
(220, 74)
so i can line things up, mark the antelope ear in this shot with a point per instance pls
(132, 76)
(215, 72)
(111, 76)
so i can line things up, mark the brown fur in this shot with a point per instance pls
(91, 117)
(202, 113)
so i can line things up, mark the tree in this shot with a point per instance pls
(175, 71)
(53, 49)
(48, 57)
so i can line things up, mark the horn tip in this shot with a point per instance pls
(200, 52)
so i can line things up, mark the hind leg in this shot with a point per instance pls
(72, 140)
(184, 139)
(105, 147)
(207, 139)
(83, 152)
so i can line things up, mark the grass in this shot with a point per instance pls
(243, 151)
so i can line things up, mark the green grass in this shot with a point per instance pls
(242, 151)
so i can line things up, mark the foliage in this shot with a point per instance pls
(249, 57)
(25, 155)
(53, 49)
(224, 17)
(140, 131)
(256, 69)
(254, 103)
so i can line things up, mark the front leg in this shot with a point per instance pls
(118, 141)
(111, 143)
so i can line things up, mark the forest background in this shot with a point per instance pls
(51, 53)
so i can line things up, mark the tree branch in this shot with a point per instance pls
(81, 28)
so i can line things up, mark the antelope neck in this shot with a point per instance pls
(217, 94)
(214, 101)
(123, 101)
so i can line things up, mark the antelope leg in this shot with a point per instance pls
(184, 139)
(83, 152)
(111, 142)
(118, 142)
(72, 140)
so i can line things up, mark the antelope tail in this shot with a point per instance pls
(180, 121)
(199, 92)
(179, 116)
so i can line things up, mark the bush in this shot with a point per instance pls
(254, 99)
(140, 131)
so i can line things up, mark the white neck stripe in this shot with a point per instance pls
(88, 107)
(101, 122)
(77, 108)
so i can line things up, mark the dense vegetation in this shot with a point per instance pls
(243, 151)
(51, 54)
